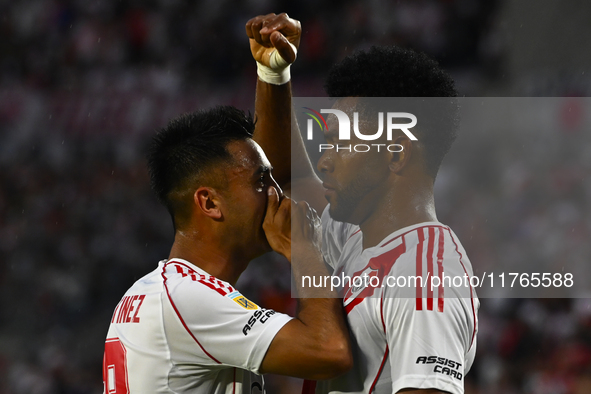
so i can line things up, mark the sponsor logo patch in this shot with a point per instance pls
(261, 315)
(243, 301)
(442, 365)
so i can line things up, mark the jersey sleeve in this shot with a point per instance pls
(334, 236)
(429, 347)
(228, 327)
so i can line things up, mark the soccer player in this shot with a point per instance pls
(378, 216)
(184, 327)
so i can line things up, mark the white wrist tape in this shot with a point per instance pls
(278, 72)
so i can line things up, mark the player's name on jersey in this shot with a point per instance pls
(128, 308)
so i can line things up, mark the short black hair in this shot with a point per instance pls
(181, 153)
(391, 71)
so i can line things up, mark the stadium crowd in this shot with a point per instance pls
(172, 46)
(84, 84)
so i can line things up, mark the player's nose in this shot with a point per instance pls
(325, 163)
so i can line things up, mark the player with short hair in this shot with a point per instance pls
(380, 220)
(184, 327)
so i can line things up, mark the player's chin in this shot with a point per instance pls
(338, 214)
(333, 210)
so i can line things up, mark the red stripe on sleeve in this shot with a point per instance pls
(420, 268)
(179, 269)
(213, 287)
(209, 282)
(440, 270)
(431, 244)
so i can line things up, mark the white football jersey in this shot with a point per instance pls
(404, 336)
(180, 330)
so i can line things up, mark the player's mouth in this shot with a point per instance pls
(329, 192)
(328, 186)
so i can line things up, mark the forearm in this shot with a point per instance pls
(317, 341)
(273, 127)
(319, 307)
(323, 349)
(277, 132)
(274, 40)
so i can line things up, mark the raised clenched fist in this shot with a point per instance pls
(270, 33)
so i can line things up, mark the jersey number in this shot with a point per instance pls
(115, 367)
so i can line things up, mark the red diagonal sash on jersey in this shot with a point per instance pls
(379, 267)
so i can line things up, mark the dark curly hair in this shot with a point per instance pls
(182, 154)
(390, 71)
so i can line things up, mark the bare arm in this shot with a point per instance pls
(273, 110)
(314, 345)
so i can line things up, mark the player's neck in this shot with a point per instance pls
(209, 255)
(402, 207)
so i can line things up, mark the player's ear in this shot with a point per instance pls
(400, 158)
(208, 201)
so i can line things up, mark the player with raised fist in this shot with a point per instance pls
(378, 215)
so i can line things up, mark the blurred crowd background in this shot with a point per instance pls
(84, 84)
